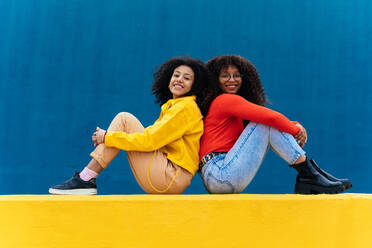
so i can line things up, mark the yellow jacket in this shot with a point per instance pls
(176, 133)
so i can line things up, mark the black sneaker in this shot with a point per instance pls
(75, 186)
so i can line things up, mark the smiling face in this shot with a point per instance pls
(181, 81)
(230, 79)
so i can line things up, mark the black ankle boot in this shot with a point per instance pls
(310, 181)
(346, 182)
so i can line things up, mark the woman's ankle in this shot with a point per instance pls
(94, 166)
(88, 174)
(301, 159)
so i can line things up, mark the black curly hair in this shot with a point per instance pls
(251, 88)
(164, 74)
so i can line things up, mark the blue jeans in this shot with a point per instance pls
(232, 172)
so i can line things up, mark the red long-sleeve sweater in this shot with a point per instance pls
(223, 123)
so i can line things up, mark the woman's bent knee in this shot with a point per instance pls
(126, 122)
(125, 116)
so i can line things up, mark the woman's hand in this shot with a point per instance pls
(98, 136)
(301, 137)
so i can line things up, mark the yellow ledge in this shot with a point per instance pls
(193, 221)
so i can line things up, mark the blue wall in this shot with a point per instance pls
(69, 66)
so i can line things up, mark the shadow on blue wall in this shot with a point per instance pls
(69, 66)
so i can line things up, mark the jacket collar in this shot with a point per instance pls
(193, 98)
(171, 102)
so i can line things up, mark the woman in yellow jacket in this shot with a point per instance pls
(164, 156)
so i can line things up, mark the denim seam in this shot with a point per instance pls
(209, 174)
(297, 153)
(235, 157)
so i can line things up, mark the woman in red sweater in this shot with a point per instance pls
(238, 131)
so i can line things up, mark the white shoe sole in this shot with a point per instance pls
(73, 191)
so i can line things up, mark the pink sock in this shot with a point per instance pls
(88, 174)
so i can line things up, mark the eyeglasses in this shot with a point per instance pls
(227, 77)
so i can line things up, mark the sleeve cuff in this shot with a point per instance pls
(104, 138)
(296, 122)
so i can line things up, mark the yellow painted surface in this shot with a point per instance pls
(343, 220)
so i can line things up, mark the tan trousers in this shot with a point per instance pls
(152, 170)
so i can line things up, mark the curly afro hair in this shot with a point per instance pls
(251, 88)
(164, 74)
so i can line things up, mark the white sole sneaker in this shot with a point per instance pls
(73, 191)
